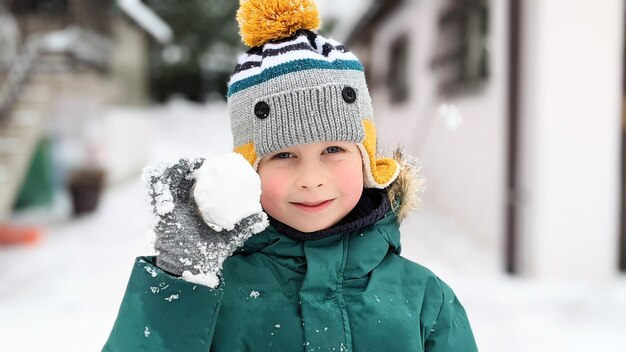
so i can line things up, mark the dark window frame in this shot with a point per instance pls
(398, 82)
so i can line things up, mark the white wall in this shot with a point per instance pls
(570, 137)
(130, 62)
(346, 12)
(465, 166)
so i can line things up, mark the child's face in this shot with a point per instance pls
(310, 187)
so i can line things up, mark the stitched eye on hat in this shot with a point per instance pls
(349, 95)
(326, 49)
(262, 110)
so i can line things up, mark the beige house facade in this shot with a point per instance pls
(514, 110)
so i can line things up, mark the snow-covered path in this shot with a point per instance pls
(64, 294)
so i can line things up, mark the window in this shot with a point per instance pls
(398, 72)
(53, 7)
(461, 61)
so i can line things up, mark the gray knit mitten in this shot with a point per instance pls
(185, 244)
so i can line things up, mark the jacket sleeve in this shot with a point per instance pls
(161, 312)
(452, 331)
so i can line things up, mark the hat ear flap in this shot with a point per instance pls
(385, 171)
(249, 153)
(379, 173)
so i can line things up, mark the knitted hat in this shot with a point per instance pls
(294, 86)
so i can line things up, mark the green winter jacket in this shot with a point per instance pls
(349, 291)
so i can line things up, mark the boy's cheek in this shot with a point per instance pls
(271, 192)
(270, 182)
(355, 190)
(352, 180)
(271, 205)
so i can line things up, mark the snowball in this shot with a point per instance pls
(227, 190)
(207, 279)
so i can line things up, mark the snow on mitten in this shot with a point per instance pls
(194, 235)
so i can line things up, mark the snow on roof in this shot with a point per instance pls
(347, 13)
(147, 19)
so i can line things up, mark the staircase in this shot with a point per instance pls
(26, 97)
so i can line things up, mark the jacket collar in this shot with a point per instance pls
(360, 252)
(384, 230)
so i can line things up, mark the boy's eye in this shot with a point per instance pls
(283, 155)
(333, 149)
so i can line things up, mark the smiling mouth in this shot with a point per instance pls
(313, 206)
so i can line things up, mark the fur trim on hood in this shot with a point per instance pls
(404, 193)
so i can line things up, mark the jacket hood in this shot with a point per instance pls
(404, 193)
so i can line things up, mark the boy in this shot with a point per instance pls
(326, 275)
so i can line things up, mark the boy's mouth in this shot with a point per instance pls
(313, 206)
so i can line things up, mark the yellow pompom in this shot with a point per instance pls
(261, 21)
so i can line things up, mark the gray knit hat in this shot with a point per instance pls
(294, 86)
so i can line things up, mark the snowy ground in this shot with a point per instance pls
(63, 295)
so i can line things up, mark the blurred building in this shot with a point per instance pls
(9, 38)
(514, 108)
(66, 62)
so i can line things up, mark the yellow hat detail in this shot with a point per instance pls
(248, 152)
(382, 172)
(261, 21)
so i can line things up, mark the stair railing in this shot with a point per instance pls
(84, 45)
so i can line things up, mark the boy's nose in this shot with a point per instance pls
(311, 185)
(310, 181)
(311, 176)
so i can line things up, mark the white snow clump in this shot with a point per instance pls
(163, 200)
(227, 190)
(207, 279)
